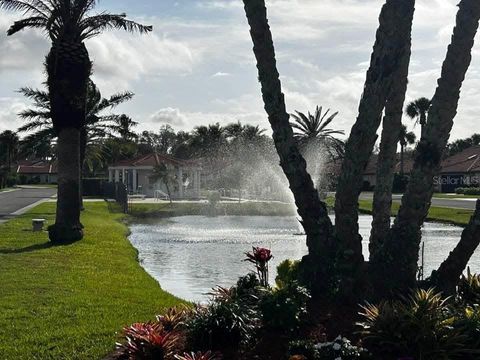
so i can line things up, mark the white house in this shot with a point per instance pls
(185, 176)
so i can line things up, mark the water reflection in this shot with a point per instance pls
(189, 255)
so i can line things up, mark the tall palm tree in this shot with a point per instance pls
(9, 143)
(97, 124)
(311, 129)
(406, 138)
(417, 110)
(68, 24)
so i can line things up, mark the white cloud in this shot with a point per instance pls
(9, 109)
(221, 74)
(168, 116)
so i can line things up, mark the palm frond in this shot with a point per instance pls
(31, 22)
(93, 25)
(36, 7)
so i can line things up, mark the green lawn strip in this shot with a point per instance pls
(455, 196)
(454, 216)
(197, 208)
(68, 302)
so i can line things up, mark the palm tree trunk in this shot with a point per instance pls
(402, 166)
(387, 159)
(68, 68)
(449, 272)
(423, 124)
(403, 242)
(389, 62)
(83, 149)
(318, 264)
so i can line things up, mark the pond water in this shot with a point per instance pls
(189, 255)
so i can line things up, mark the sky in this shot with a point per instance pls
(197, 67)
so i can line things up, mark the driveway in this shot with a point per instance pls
(455, 203)
(12, 202)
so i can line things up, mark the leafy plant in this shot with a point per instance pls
(287, 272)
(467, 321)
(199, 356)
(260, 258)
(285, 308)
(173, 318)
(145, 341)
(469, 288)
(419, 327)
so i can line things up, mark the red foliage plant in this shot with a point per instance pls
(260, 257)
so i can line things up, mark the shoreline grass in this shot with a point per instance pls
(163, 210)
(68, 302)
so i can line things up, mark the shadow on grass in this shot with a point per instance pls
(28, 249)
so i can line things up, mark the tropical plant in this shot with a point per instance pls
(284, 309)
(468, 289)
(419, 326)
(146, 341)
(287, 273)
(68, 24)
(174, 318)
(312, 132)
(260, 258)
(417, 110)
(123, 125)
(406, 138)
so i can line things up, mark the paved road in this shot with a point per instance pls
(12, 201)
(468, 204)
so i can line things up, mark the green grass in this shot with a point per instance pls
(6, 189)
(68, 302)
(448, 215)
(197, 208)
(455, 196)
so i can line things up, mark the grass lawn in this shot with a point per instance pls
(6, 189)
(68, 302)
(448, 215)
(197, 208)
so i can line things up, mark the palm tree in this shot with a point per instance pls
(123, 125)
(161, 173)
(406, 138)
(68, 24)
(417, 110)
(97, 125)
(311, 129)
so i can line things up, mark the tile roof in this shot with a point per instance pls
(154, 160)
(36, 167)
(467, 161)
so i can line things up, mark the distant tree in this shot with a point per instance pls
(9, 146)
(406, 138)
(162, 142)
(312, 130)
(461, 144)
(417, 110)
(123, 126)
(161, 173)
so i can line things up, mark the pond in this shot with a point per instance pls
(189, 255)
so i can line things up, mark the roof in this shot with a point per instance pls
(467, 161)
(36, 167)
(371, 168)
(155, 160)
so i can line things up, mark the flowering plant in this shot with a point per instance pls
(260, 257)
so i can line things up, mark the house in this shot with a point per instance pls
(137, 173)
(37, 172)
(460, 170)
(370, 173)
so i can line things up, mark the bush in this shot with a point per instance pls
(467, 321)
(12, 180)
(418, 327)
(285, 308)
(468, 191)
(198, 356)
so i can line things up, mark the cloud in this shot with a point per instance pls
(221, 74)
(168, 116)
(9, 109)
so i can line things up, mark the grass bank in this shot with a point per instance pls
(455, 196)
(68, 302)
(165, 209)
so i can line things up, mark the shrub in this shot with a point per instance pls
(145, 341)
(174, 318)
(419, 327)
(222, 324)
(469, 289)
(467, 321)
(287, 273)
(285, 308)
(468, 191)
